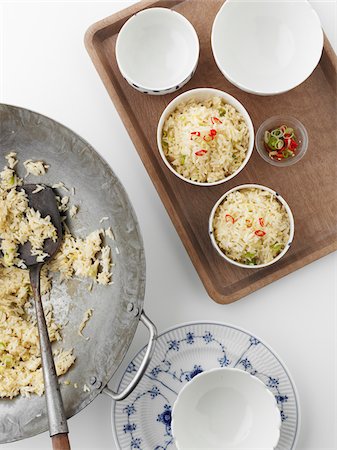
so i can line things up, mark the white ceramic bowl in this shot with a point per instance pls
(279, 198)
(203, 94)
(267, 47)
(223, 409)
(157, 51)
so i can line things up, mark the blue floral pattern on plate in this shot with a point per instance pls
(143, 420)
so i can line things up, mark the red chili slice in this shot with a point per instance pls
(194, 133)
(215, 120)
(261, 222)
(292, 145)
(201, 152)
(230, 218)
(212, 132)
(260, 233)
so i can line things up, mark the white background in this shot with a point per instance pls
(44, 67)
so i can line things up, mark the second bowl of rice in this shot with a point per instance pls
(205, 136)
(251, 226)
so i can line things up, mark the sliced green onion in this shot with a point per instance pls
(272, 142)
(182, 159)
(277, 133)
(7, 360)
(266, 136)
(2, 346)
(222, 112)
(279, 144)
(250, 258)
(289, 131)
(277, 247)
(286, 153)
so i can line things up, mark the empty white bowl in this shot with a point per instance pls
(279, 198)
(202, 94)
(267, 47)
(157, 51)
(223, 409)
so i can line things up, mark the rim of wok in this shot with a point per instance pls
(113, 324)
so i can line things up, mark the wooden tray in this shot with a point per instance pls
(309, 186)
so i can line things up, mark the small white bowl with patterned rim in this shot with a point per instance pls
(202, 94)
(157, 51)
(279, 198)
(225, 408)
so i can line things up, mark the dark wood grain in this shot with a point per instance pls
(60, 442)
(309, 186)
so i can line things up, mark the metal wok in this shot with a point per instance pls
(117, 307)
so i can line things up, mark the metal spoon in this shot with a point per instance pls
(45, 202)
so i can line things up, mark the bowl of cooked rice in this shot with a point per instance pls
(251, 226)
(205, 136)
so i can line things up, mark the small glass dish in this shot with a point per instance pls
(276, 122)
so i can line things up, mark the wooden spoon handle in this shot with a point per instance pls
(60, 442)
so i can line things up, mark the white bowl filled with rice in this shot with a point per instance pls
(251, 226)
(205, 136)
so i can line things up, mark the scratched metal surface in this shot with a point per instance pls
(98, 193)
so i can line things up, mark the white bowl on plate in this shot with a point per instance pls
(204, 94)
(225, 408)
(157, 51)
(279, 198)
(267, 47)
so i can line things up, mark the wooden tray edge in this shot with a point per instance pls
(304, 261)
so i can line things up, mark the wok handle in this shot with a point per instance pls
(144, 364)
(60, 442)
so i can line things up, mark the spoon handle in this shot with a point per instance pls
(56, 415)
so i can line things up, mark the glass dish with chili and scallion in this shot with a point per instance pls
(281, 143)
(281, 140)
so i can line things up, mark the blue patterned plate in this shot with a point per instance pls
(143, 420)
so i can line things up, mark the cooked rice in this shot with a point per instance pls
(63, 205)
(86, 318)
(39, 188)
(108, 232)
(253, 211)
(187, 132)
(20, 362)
(20, 223)
(73, 211)
(36, 168)
(60, 185)
(11, 160)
